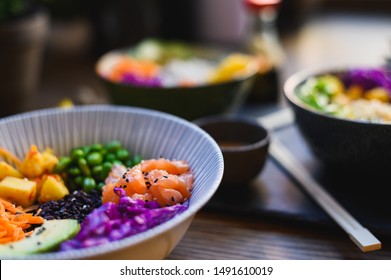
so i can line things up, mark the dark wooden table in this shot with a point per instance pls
(274, 219)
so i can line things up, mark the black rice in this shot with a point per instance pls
(76, 205)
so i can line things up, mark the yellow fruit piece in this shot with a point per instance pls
(334, 84)
(49, 161)
(20, 191)
(377, 94)
(53, 188)
(354, 92)
(8, 170)
(234, 66)
(33, 164)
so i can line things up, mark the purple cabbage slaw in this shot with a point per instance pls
(368, 78)
(112, 222)
(137, 80)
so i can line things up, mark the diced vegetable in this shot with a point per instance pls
(8, 170)
(53, 188)
(20, 191)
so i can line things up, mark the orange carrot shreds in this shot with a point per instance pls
(14, 222)
(10, 157)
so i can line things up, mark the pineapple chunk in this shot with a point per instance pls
(20, 191)
(53, 188)
(50, 161)
(8, 170)
(33, 165)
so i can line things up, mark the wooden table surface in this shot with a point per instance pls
(224, 235)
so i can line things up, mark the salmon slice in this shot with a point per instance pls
(108, 194)
(168, 189)
(171, 166)
(167, 182)
(132, 181)
(165, 197)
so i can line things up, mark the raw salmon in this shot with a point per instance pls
(167, 182)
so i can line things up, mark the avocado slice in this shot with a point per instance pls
(45, 238)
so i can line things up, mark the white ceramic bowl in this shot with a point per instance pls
(146, 132)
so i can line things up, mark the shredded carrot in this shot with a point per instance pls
(10, 157)
(14, 222)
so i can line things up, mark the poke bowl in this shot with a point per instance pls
(182, 79)
(344, 115)
(102, 182)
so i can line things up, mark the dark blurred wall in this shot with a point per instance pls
(121, 23)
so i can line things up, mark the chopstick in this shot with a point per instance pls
(361, 236)
(278, 119)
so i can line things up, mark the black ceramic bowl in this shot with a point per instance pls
(244, 144)
(341, 144)
(187, 102)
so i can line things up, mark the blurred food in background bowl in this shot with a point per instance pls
(244, 144)
(345, 115)
(174, 77)
(133, 227)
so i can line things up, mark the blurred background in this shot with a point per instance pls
(74, 34)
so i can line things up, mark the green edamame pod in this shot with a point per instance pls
(84, 167)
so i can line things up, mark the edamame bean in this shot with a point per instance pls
(100, 186)
(79, 181)
(137, 159)
(84, 167)
(74, 171)
(122, 154)
(113, 146)
(110, 157)
(97, 169)
(118, 162)
(62, 164)
(88, 184)
(128, 163)
(77, 153)
(96, 148)
(94, 158)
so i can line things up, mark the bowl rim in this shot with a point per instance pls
(240, 120)
(113, 246)
(252, 71)
(301, 76)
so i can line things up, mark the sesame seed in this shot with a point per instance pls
(155, 180)
(172, 198)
